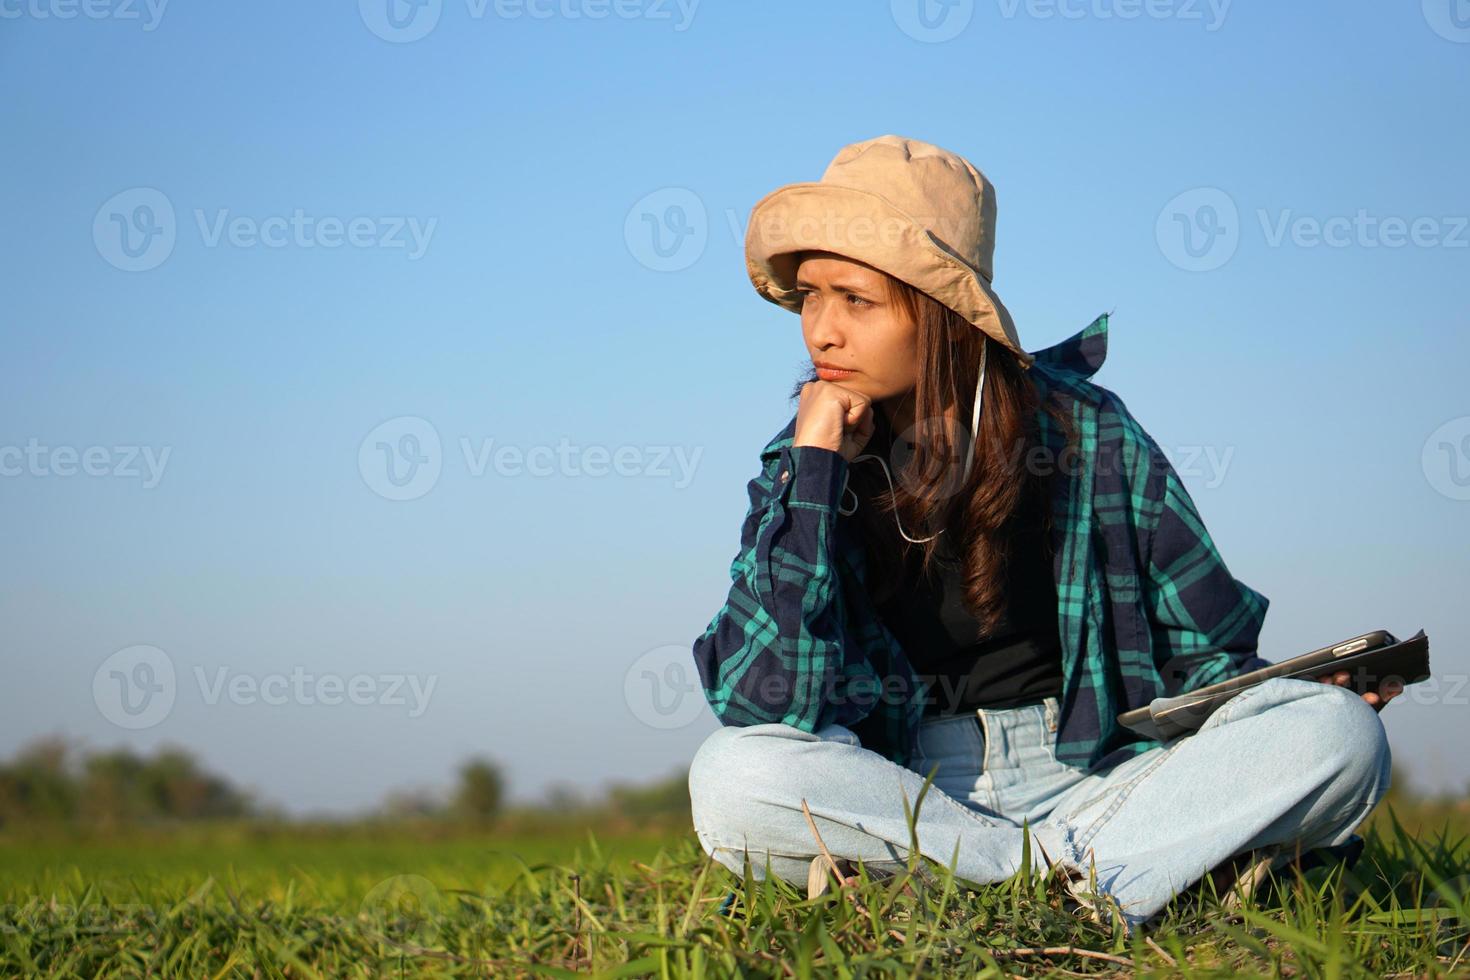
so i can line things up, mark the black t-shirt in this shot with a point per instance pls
(1019, 663)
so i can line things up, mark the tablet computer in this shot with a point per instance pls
(1370, 659)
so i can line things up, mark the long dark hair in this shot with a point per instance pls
(981, 518)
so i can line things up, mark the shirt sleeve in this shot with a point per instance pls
(1204, 622)
(772, 653)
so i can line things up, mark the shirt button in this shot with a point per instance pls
(785, 474)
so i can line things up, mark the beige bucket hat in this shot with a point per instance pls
(917, 212)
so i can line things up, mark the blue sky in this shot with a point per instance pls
(254, 248)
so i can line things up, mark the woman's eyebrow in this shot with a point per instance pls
(841, 287)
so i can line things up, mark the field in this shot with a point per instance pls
(251, 901)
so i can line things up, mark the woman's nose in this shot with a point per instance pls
(822, 329)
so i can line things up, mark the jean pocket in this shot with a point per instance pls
(954, 738)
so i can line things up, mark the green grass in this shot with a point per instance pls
(240, 903)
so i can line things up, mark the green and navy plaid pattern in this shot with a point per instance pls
(1145, 605)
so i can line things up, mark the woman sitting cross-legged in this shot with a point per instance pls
(916, 598)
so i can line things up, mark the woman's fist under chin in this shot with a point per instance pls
(833, 417)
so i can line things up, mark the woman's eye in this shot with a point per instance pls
(852, 299)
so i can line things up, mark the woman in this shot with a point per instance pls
(909, 602)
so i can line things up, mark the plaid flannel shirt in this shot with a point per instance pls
(1145, 605)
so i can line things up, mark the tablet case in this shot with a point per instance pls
(1368, 664)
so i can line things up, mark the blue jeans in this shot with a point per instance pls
(1288, 764)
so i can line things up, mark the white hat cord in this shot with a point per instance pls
(969, 459)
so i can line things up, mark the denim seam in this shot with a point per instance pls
(717, 840)
(1228, 711)
(979, 817)
(992, 798)
(985, 739)
(1121, 795)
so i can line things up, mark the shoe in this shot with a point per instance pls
(1254, 867)
(1250, 871)
(819, 877)
(1098, 908)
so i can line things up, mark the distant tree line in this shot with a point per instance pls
(48, 781)
(52, 782)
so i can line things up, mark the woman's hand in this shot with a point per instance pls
(835, 418)
(1387, 690)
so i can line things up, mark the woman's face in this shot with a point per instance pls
(848, 322)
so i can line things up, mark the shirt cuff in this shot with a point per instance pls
(812, 475)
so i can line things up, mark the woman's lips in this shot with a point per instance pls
(833, 374)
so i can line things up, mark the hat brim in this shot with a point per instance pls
(858, 224)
